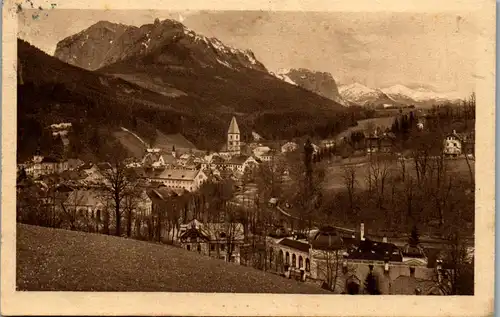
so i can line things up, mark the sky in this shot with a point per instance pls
(376, 49)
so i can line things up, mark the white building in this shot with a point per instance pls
(187, 179)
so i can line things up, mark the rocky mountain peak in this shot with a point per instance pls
(165, 42)
(321, 83)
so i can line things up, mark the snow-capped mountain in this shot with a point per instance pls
(403, 94)
(105, 43)
(321, 83)
(364, 96)
(283, 75)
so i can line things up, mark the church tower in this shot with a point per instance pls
(233, 138)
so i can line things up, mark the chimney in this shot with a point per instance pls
(439, 270)
(384, 239)
(362, 232)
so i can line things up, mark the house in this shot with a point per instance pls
(218, 240)
(268, 156)
(340, 261)
(327, 143)
(161, 201)
(87, 208)
(452, 144)
(289, 147)
(261, 150)
(155, 159)
(173, 178)
(240, 163)
(41, 165)
(383, 143)
(94, 174)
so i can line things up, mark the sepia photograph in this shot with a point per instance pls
(308, 153)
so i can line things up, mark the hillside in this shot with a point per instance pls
(50, 91)
(60, 260)
(149, 92)
(210, 77)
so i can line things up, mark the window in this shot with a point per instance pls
(308, 265)
(198, 248)
(301, 262)
(212, 247)
(412, 271)
(294, 260)
(222, 247)
(287, 258)
(188, 247)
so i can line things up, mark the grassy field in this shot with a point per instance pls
(163, 141)
(131, 143)
(166, 141)
(60, 260)
(335, 172)
(382, 122)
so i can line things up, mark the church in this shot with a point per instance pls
(233, 143)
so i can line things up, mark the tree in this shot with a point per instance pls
(70, 208)
(371, 284)
(57, 149)
(332, 268)
(455, 273)
(118, 185)
(350, 183)
(414, 239)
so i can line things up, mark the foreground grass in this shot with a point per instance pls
(59, 260)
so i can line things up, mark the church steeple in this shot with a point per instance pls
(233, 137)
(233, 127)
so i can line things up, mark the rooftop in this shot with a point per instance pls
(60, 260)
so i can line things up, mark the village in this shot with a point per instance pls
(232, 205)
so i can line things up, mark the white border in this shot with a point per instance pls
(88, 303)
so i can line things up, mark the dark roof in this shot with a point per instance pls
(193, 233)
(85, 166)
(295, 244)
(240, 159)
(104, 166)
(327, 238)
(49, 159)
(413, 251)
(376, 251)
(135, 266)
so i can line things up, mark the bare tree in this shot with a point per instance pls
(455, 272)
(350, 183)
(332, 268)
(117, 186)
(71, 208)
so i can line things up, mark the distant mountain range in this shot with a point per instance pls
(397, 95)
(325, 85)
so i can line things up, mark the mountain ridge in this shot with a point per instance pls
(321, 83)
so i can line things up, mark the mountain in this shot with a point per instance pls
(419, 96)
(174, 87)
(208, 78)
(365, 96)
(321, 83)
(105, 43)
(50, 91)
